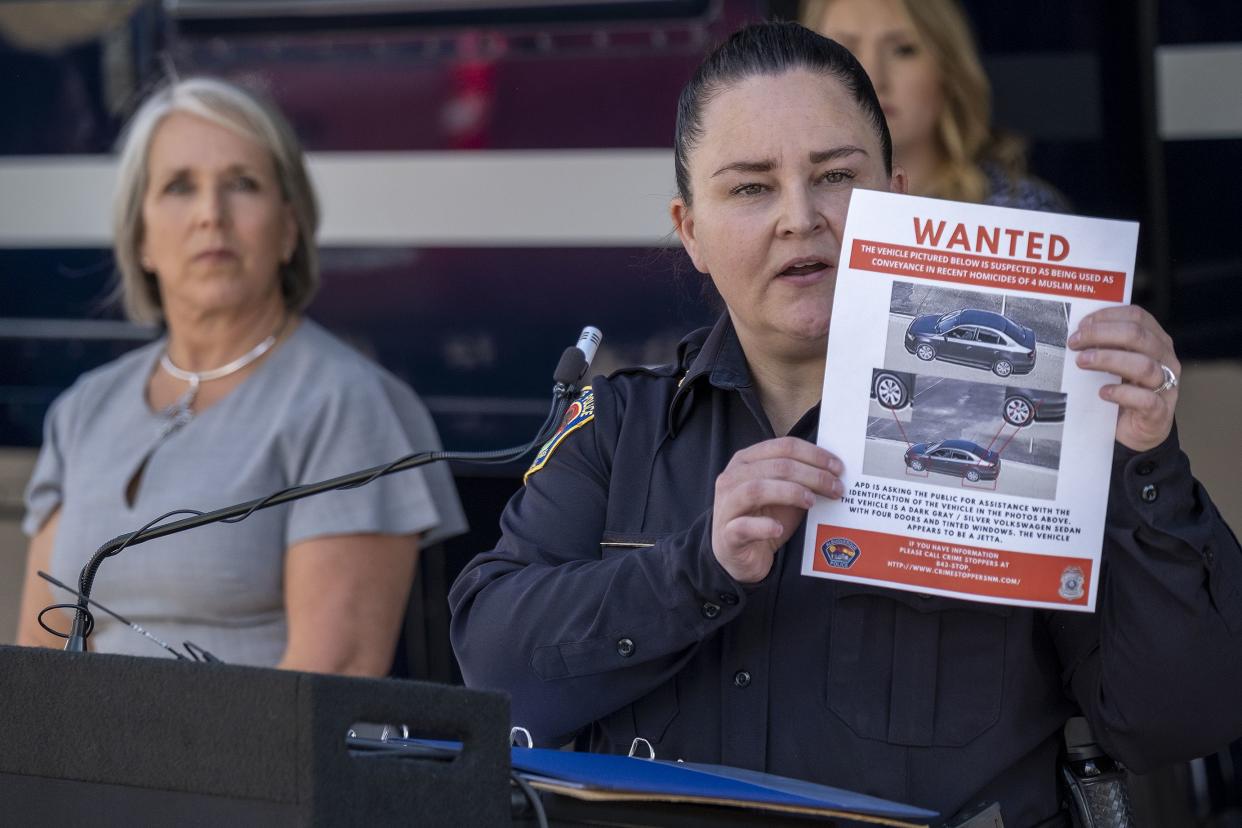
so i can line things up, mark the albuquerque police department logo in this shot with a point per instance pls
(840, 553)
(581, 411)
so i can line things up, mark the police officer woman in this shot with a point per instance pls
(647, 581)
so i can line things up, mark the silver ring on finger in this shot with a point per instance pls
(1170, 379)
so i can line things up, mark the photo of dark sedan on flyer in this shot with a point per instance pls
(970, 335)
(978, 338)
(961, 458)
(957, 434)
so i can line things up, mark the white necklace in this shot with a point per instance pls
(180, 413)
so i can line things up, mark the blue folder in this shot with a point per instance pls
(603, 776)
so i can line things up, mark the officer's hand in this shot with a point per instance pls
(1129, 342)
(762, 496)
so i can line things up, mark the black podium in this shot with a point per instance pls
(121, 740)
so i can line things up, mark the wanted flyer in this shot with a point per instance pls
(977, 454)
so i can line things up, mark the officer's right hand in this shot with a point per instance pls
(762, 496)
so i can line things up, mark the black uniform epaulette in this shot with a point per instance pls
(687, 350)
(669, 369)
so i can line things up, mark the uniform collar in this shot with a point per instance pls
(712, 355)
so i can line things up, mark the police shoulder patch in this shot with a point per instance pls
(581, 411)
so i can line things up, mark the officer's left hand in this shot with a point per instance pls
(1129, 342)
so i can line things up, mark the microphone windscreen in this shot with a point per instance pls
(572, 366)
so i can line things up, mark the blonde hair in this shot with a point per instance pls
(963, 130)
(246, 114)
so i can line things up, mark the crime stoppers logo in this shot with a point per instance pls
(840, 553)
(1071, 583)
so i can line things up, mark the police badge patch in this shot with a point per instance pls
(1072, 579)
(581, 411)
(840, 553)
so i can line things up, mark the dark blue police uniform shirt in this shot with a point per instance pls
(605, 615)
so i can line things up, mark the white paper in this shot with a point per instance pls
(936, 518)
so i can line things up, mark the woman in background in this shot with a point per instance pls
(215, 222)
(921, 58)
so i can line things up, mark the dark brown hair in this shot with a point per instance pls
(769, 49)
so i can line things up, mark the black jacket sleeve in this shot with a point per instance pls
(1158, 669)
(571, 629)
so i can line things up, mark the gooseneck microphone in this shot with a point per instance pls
(567, 380)
(196, 653)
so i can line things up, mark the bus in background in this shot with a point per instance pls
(454, 143)
(493, 176)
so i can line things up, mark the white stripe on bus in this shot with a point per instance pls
(562, 198)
